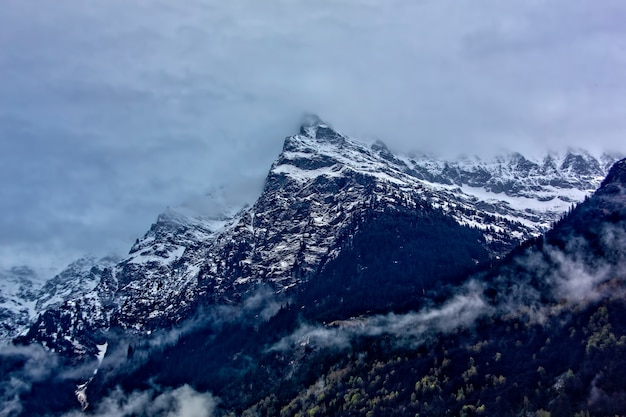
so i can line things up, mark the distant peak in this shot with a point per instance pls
(310, 124)
(315, 128)
(379, 145)
(312, 120)
(171, 216)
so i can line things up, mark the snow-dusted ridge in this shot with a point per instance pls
(23, 295)
(316, 190)
(532, 192)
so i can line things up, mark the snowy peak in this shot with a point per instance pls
(310, 122)
(320, 151)
(581, 164)
(314, 128)
(514, 175)
(323, 152)
(175, 229)
(19, 281)
(18, 295)
(608, 159)
(79, 278)
(510, 194)
(23, 297)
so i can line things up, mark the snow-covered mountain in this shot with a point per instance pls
(24, 295)
(18, 297)
(317, 193)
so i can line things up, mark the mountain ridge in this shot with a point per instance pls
(348, 242)
(319, 185)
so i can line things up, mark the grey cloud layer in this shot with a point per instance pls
(110, 111)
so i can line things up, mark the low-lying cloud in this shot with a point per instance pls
(461, 310)
(581, 273)
(34, 363)
(572, 276)
(180, 402)
(37, 364)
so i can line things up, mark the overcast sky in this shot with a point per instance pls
(111, 110)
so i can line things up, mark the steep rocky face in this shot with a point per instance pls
(17, 299)
(317, 190)
(79, 278)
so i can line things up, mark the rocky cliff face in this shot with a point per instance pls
(319, 187)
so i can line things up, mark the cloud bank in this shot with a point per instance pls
(25, 366)
(112, 110)
(183, 401)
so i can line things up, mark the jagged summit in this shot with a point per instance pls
(309, 123)
(554, 177)
(315, 128)
(607, 159)
(581, 163)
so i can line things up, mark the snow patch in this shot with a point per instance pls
(102, 351)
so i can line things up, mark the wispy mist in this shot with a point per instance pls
(461, 310)
(542, 283)
(180, 402)
(576, 275)
(35, 364)
(28, 365)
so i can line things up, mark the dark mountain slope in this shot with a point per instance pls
(390, 263)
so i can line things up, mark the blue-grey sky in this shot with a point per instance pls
(111, 110)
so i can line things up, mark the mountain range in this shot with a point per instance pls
(349, 248)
